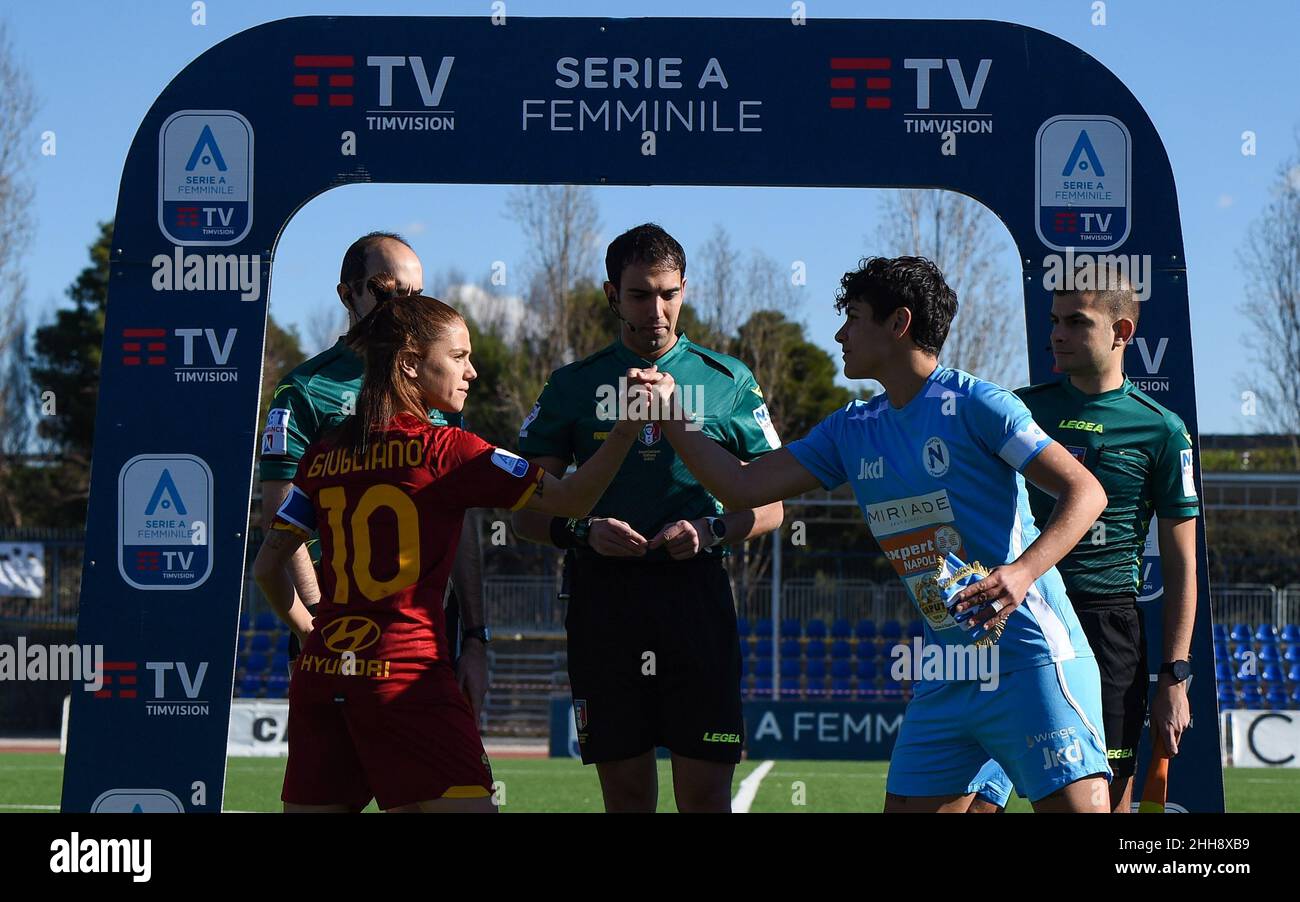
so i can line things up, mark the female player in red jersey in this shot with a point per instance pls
(374, 707)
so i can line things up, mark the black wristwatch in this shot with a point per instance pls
(481, 633)
(717, 528)
(1179, 670)
(570, 533)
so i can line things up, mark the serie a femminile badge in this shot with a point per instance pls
(951, 576)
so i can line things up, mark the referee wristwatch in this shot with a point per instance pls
(717, 529)
(481, 633)
(1179, 670)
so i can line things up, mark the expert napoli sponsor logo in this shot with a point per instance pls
(395, 92)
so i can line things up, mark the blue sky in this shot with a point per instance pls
(1205, 71)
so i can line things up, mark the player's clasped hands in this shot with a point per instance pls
(661, 385)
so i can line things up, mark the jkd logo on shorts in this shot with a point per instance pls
(1060, 757)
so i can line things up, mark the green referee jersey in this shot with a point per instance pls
(653, 486)
(1142, 456)
(312, 399)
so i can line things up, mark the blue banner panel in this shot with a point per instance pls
(816, 731)
(1034, 128)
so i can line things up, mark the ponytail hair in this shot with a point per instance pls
(400, 326)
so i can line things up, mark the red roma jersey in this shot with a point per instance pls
(389, 522)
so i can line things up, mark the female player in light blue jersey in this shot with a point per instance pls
(938, 464)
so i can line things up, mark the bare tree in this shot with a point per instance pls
(324, 326)
(717, 291)
(561, 224)
(963, 240)
(17, 107)
(1271, 262)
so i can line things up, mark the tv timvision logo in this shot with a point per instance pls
(402, 94)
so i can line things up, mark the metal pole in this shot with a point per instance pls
(776, 614)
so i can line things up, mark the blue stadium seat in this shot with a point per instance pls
(1250, 697)
(1240, 652)
(841, 649)
(842, 629)
(1247, 675)
(1276, 698)
(892, 631)
(816, 669)
(245, 623)
(841, 688)
(742, 626)
(1291, 632)
(282, 643)
(763, 687)
(249, 686)
(790, 668)
(1291, 654)
(867, 690)
(790, 688)
(1272, 673)
(1227, 696)
(763, 668)
(1223, 672)
(892, 689)
(256, 663)
(816, 648)
(815, 688)
(790, 648)
(763, 627)
(1221, 651)
(1295, 697)
(791, 627)
(1220, 632)
(914, 629)
(1266, 632)
(841, 669)
(260, 643)
(746, 649)
(277, 685)
(1240, 633)
(866, 629)
(1269, 652)
(866, 670)
(266, 622)
(816, 629)
(1294, 674)
(763, 646)
(280, 663)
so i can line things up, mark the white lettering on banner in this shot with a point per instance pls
(258, 728)
(1264, 738)
(686, 113)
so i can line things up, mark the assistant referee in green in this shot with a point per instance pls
(654, 657)
(1142, 455)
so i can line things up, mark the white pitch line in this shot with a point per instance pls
(30, 807)
(749, 788)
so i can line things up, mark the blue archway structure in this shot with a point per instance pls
(1031, 126)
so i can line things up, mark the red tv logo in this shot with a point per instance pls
(151, 353)
(119, 674)
(309, 70)
(877, 83)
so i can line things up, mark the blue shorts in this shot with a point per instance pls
(1041, 725)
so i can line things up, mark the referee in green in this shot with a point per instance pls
(1141, 454)
(654, 658)
(317, 396)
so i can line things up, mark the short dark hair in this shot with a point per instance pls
(353, 269)
(887, 283)
(648, 244)
(1113, 292)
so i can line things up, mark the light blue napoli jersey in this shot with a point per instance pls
(943, 474)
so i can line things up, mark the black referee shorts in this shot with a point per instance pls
(654, 658)
(1116, 630)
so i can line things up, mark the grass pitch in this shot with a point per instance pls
(31, 782)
